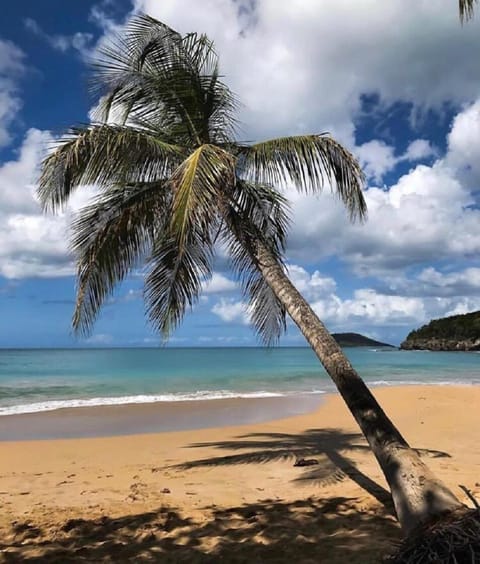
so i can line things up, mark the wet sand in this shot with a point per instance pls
(136, 419)
(229, 494)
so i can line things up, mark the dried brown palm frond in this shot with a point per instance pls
(455, 539)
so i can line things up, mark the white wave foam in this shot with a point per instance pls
(423, 382)
(53, 405)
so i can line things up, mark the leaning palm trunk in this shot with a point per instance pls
(417, 494)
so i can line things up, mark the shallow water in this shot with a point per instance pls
(48, 379)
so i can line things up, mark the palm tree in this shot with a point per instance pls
(466, 9)
(173, 182)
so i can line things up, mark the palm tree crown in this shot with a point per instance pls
(173, 180)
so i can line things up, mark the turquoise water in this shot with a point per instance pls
(43, 380)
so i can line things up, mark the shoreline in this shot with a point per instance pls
(230, 493)
(124, 419)
(150, 418)
(130, 419)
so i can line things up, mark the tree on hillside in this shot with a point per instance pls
(173, 182)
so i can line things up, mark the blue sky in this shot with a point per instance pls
(398, 83)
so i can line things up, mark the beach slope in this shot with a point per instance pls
(230, 494)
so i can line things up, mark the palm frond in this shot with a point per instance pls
(197, 185)
(110, 236)
(119, 61)
(268, 316)
(310, 162)
(466, 8)
(212, 103)
(175, 275)
(103, 155)
(152, 73)
(182, 257)
(257, 213)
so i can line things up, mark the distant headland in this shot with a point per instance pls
(454, 333)
(357, 340)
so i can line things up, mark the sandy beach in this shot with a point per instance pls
(228, 494)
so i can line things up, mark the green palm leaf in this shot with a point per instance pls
(197, 186)
(310, 162)
(257, 214)
(182, 256)
(103, 155)
(119, 64)
(175, 276)
(153, 74)
(110, 237)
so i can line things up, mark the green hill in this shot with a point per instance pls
(457, 332)
(357, 340)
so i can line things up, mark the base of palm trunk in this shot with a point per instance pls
(418, 495)
(453, 537)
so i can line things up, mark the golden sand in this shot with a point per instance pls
(229, 494)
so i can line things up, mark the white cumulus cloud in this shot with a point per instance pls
(230, 310)
(430, 214)
(218, 283)
(33, 243)
(377, 158)
(304, 65)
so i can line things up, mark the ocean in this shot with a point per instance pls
(37, 380)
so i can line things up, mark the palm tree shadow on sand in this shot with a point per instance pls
(329, 447)
(335, 529)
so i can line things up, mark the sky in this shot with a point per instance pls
(397, 82)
